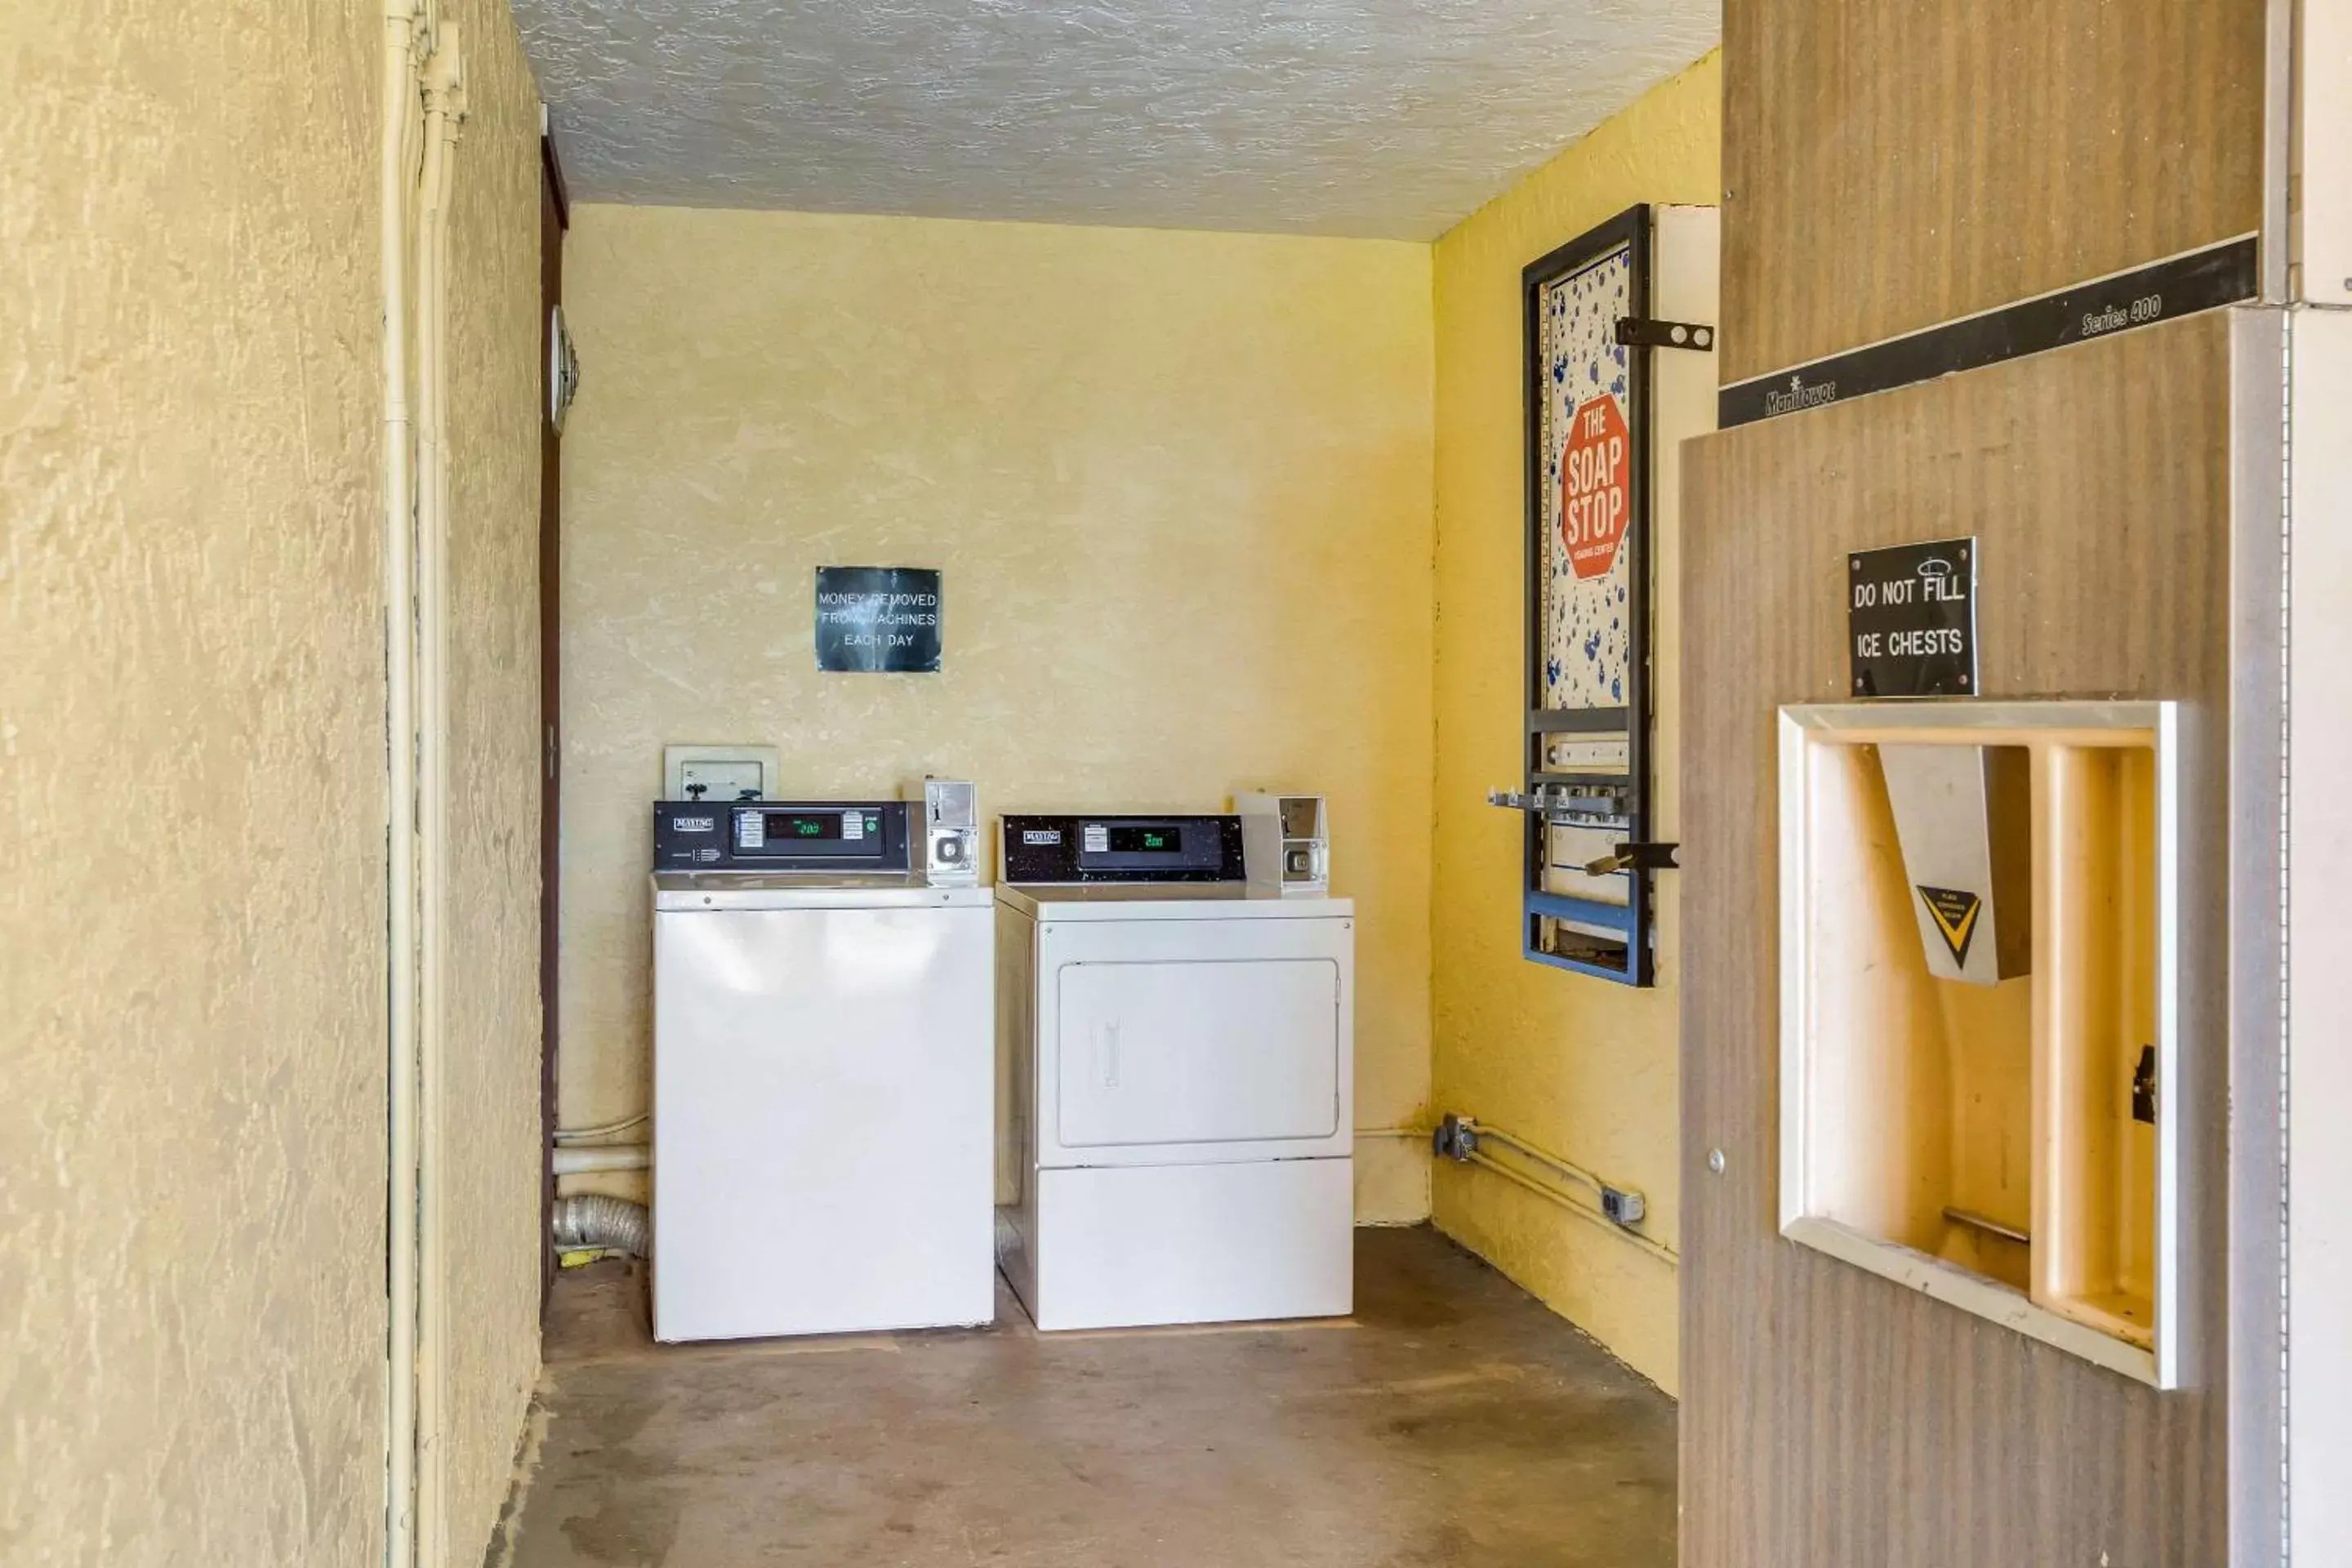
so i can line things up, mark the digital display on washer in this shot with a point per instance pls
(781, 835)
(1062, 850)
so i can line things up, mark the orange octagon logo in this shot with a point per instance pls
(1595, 485)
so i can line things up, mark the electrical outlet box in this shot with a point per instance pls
(1622, 1205)
(720, 774)
(1456, 1139)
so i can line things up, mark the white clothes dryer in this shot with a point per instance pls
(1176, 1080)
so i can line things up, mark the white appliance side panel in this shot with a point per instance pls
(1206, 1051)
(1136, 1246)
(2319, 929)
(1016, 1060)
(1235, 1040)
(822, 1095)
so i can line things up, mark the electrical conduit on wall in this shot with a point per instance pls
(402, 45)
(443, 112)
(1553, 1165)
(423, 103)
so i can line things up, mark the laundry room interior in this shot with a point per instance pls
(1179, 502)
(1177, 487)
(1131, 784)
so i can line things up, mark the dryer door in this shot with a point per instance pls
(1196, 1040)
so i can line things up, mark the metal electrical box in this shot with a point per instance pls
(715, 773)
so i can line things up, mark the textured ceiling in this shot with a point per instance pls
(1355, 117)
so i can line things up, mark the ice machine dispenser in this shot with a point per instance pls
(1979, 923)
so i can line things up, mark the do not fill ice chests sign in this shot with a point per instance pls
(877, 619)
(1911, 619)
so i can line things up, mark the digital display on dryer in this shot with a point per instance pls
(1147, 840)
(804, 826)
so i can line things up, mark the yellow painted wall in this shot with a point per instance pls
(1180, 486)
(1583, 1067)
(191, 638)
(191, 1135)
(491, 1138)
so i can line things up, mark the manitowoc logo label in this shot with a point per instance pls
(1800, 396)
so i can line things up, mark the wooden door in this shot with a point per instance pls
(554, 216)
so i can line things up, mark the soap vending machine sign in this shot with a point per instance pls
(1586, 900)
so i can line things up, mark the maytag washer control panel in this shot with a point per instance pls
(867, 836)
(1062, 850)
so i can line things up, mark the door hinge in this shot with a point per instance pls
(1634, 858)
(1639, 331)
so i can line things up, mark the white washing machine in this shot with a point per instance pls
(1176, 1079)
(823, 1076)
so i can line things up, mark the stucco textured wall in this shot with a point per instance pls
(1581, 1066)
(1178, 484)
(490, 1146)
(192, 1147)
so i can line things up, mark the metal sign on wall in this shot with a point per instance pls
(1911, 619)
(881, 619)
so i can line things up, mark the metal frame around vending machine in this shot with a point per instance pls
(1619, 802)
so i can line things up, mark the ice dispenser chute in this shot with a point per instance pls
(1980, 1012)
(1964, 819)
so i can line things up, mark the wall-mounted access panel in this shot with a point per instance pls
(1285, 842)
(1978, 1012)
(716, 774)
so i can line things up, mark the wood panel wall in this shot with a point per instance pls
(1830, 1419)
(1887, 167)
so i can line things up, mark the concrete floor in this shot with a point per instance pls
(1453, 1420)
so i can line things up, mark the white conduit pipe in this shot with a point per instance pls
(611, 1157)
(398, 546)
(1541, 1156)
(444, 107)
(601, 1131)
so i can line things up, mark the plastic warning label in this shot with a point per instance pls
(1955, 914)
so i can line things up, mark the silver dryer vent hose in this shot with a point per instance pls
(594, 1220)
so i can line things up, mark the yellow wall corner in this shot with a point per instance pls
(1576, 1065)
